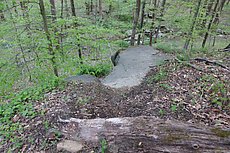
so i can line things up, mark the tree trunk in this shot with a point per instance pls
(208, 12)
(53, 9)
(161, 16)
(100, 8)
(142, 21)
(78, 44)
(91, 6)
(153, 22)
(50, 44)
(73, 8)
(150, 135)
(193, 25)
(135, 22)
(210, 24)
(62, 8)
(66, 8)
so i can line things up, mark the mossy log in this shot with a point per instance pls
(150, 134)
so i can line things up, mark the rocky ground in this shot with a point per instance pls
(172, 91)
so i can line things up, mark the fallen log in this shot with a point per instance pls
(150, 134)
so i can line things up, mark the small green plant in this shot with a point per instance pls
(103, 145)
(83, 101)
(98, 70)
(166, 86)
(161, 75)
(217, 90)
(173, 108)
(161, 112)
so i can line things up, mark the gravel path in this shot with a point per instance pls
(133, 65)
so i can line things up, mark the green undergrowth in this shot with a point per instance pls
(97, 70)
(19, 107)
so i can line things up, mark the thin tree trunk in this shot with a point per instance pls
(217, 19)
(18, 39)
(50, 44)
(66, 8)
(153, 22)
(91, 6)
(100, 8)
(208, 12)
(193, 25)
(210, 24)
(73, 8)
(78, 44)
(135, 22)
(161, 16)
(53, 10)
(142, 20)
(62, 8)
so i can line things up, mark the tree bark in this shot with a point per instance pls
(150, 134)
(153, 22)
(50, 44)
(193, 25)
(161, 16)
(100, 8)
(73, 8)
(53, 9)
(135, 22)
(210, 24)
(66, 8)
(142, 21)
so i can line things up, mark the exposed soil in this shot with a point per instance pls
(185, 94)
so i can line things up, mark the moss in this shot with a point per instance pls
(175, 137)
(221, 133)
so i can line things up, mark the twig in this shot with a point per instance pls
(211, 62)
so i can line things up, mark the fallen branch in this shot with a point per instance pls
(211, 62)
(189, 64)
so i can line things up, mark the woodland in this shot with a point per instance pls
(43, 42)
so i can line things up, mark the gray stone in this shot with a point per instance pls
(85, 78)
(69, 145)
(133, 65)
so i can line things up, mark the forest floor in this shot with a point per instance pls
(197, 92)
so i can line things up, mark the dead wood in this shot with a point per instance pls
(189, 64)
(150, 134)
(211, 62)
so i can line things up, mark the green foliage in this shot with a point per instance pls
(162, 112)
(161, 75)
(20, 106)
(103, 146)
(216, 89)
(166, 86)
(97, 70)
(172, 47)
(173, 108)
(122, 43)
